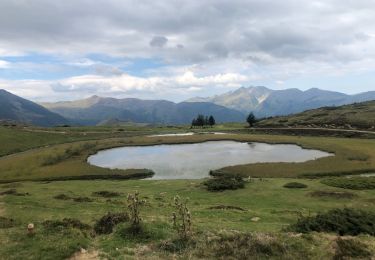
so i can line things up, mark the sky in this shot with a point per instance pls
(172, 49)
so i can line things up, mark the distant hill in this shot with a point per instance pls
(17, 109)
(357, 115)
(96, 110)
(265, 102)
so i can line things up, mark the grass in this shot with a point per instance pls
(275, 206)
(247, 222)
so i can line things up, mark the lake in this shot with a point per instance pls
(194, 161)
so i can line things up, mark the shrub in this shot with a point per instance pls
(350, 248)
(82, 199)
(341, 221)
(106, 194)
(295, 185)
(332, 194)
(62, 197)
(7, 222)
(13, 192)
(65, 223)
(106, 223)
(224, 182)
(181, 218)
(353, 183)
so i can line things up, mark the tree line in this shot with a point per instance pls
(201, 121)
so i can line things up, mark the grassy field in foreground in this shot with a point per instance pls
(66, 160)
(267, 199)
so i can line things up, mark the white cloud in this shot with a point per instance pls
(4, 64)
(123, 85)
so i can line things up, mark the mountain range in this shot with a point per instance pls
(95, 110)
(18, 109)
(265, 102)
(228, 107)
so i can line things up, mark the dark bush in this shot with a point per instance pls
(350, 248)
(13, 192)
(341, 221)
(7, 222)
(295, 185)
(106, 223)
(353, 183)
(224, 182)
(82, 199)
(65, 223)
(332, 194)
(62, 197)
(106, 194)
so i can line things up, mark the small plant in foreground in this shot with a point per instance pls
(134, 207)
(295, 185)
(181, 218)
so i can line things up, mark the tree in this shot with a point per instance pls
(251, 119)
(200, 120)
(194, 123)
(211, 121)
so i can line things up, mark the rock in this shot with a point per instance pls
(255, 219)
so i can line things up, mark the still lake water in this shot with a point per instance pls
(194, 161)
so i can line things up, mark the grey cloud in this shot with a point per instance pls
(197, 31)
(158, 41)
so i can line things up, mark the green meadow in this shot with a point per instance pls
(52, 182)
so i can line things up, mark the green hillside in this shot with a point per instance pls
(357, 115)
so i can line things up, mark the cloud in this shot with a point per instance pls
(122, 85)
(258, 39)
(158, 41)
(4, 64)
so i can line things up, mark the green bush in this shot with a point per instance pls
(341, 221)
(224, 182)
(295, 185)
(353, 183)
